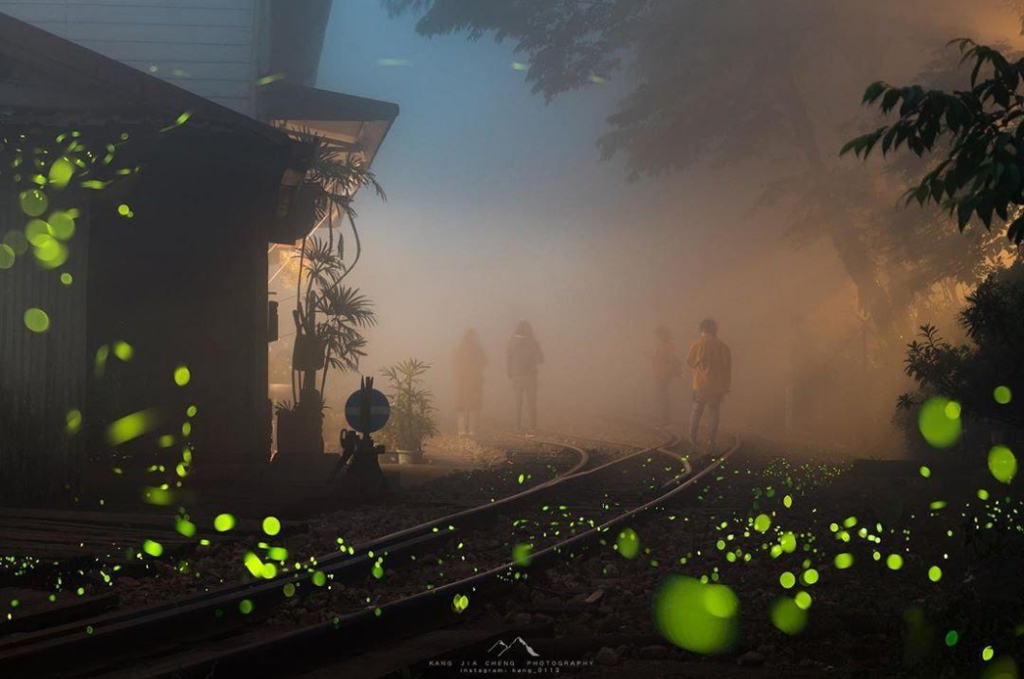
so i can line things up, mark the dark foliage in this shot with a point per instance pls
(968, 373)
(982, 173)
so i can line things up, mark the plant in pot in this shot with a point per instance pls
(329, 316)
(412, 409)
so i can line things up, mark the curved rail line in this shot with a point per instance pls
(112, 628)
(413, 610)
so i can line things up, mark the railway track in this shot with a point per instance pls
(188, 637)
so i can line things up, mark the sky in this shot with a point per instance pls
(499, 206)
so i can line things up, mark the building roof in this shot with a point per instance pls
(359, 123)
(116, 89)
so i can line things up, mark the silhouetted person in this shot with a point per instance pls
(468, 365)
(711, 362)
(524, 356)
(666, 367)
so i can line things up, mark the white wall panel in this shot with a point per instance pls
(205, 46)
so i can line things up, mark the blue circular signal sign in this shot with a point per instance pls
(367, 410)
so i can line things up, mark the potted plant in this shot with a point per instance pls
(329, 317)
(412, 409)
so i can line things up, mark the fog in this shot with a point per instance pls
(500, 208)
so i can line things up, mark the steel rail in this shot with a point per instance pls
(106, 628)
(410, 611)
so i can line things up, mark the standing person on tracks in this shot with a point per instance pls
(468, 365)
(666, 367)
(711, 362)
(524, 358)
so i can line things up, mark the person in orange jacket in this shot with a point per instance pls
(711, 362)
(666, 366)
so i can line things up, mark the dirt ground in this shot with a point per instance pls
(882, 570)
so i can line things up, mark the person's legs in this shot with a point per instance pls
(531, 403)
(714, 411)
(517, 385)
(695, 416)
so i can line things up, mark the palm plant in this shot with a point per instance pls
(328, 315)
(412, 406)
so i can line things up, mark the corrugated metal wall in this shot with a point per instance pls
(209, 47)
(42, 375)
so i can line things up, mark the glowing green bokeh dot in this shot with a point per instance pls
(1002, 463)
(289, 590)
(843, 561)
(38, 232)
(810, 576)
(152, 547)
(123, 351)
(16, 241)
(802, 600)
(245, 606)
(701, 618)
(7, 256)
(925, 471)
(987, 653)
(254, 564)
(521, 554)
(62, 225)
(66, 278)
(788, 617)
(460, 603)
(182, 375)
(628, 543)
(934, 573)
(787, 580)
(762, 523)
(952, 637)
(61, 172)
(939, 422)
(192, 410)
(224, 522)
(894, 562)
(271, 525)
(33, 202)
(185, 527)
(132, 426)
(319, 579)
(788, 543)
(73, 421)
(1002, 395)
(36, 320)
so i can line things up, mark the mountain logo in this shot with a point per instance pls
(502, 648)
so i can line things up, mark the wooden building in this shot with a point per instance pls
(168, 266)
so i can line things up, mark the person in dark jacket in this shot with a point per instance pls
(524, 357)
(468, 365)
